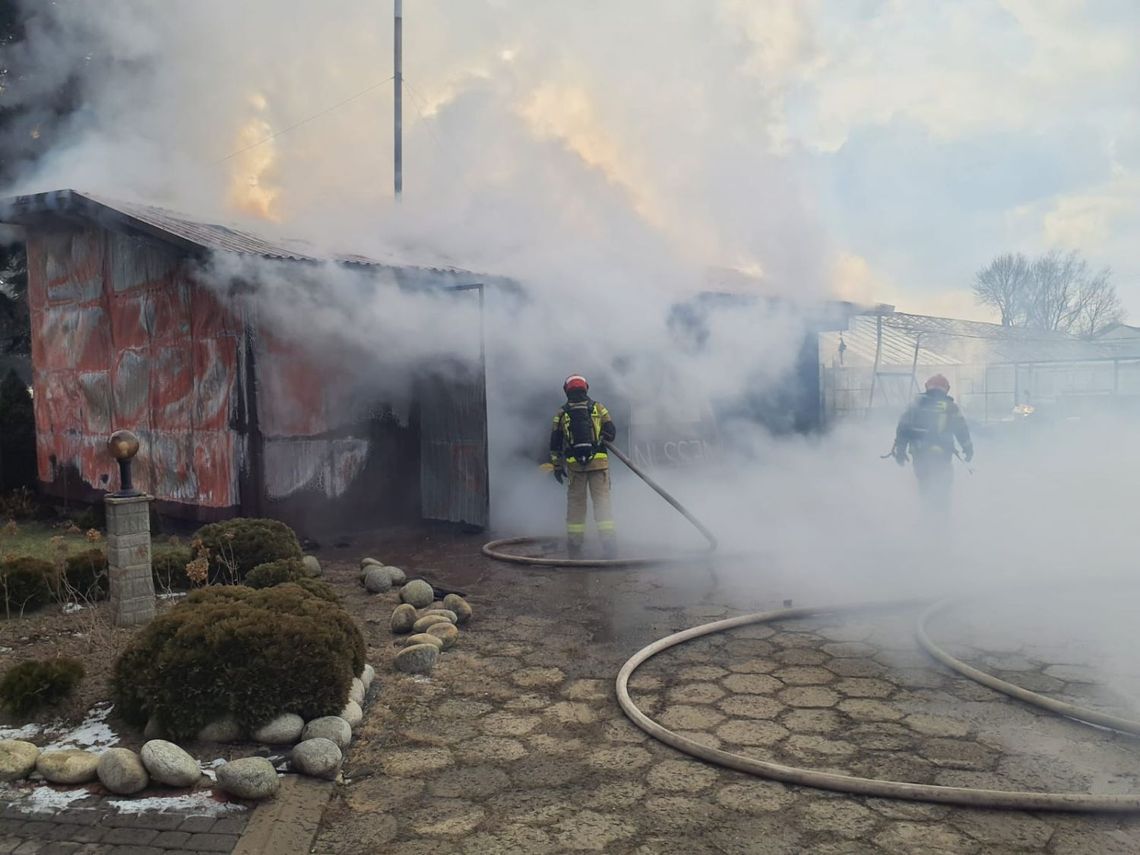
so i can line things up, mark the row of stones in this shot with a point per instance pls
(318, 753)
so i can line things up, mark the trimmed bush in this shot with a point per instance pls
(237, 546)
(318, 589)
(275, 573)
(169, 567)
(31, 685)
(233, 650)
(25, 584)
(86, 574)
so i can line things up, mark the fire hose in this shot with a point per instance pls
(962, 796)
(496, 548)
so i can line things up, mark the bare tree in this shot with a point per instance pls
(1003, 284)
(1056, 292)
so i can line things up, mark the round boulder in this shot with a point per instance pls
(331, 727)
(318, 757)
(422, 624)
(168, 764)
(71, 766)
(424, 638)
(352, 713)
(403, 618)
(398, 576)
(367, 676)
(460, 606)
(365, 563)
(17, 759)
(443, 613)
(418, 593)
(312, 565)
(417, 659)
(445, 632)
(249, 778)
(225, 729)
(153, 729)
(121, 771)
(376, 581)
(357, 690)
(283, 730)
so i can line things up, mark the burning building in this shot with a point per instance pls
(235, 417)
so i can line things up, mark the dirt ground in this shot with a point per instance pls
(516, 742)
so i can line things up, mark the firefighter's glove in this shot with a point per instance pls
(968, 453)
(609, 432)
(900, 457)
(559, 474)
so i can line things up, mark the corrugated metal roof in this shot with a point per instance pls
(947, 341)
(178, 228)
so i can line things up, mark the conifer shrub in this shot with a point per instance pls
(25, 584)
(235, 547)
(275, 573)
(30, 685)
(233, 650)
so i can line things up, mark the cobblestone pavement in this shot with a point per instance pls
(516, 743)
(95, 826)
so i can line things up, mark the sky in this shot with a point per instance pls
(875, 150)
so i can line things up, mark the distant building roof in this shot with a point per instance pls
(948, 341)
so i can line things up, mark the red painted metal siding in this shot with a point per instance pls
(123, 338)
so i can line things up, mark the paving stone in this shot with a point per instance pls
(545, 743)
(679, 814)
(801, 656)
(812, 721)
(936, 725)
(445, 818)
(809, 696)
(865, 709)
(806, 746)
(755, 797)
(619, 758)
(700, 737)
(197, 824)
(865, 687)
(509, 840)
(130, 836)
(752, 666)
(411, 762)
(882, 736)
(572, 713)
(857, 668)
(681, 776)
(507, 724)
(592, 831)
(213, 842)
(490, 749)
(171, 839)
(907, 838)
(229, 825)
(615, 795)
(804, 676)
(588, 690)
(472, 782)
(695, 693)
(622, 730)
(1007, 829)
(843, 817)
(687, 717)
(756, 630)
(958, 754)
(461, 708)
(848, 649)
(751, 706)
(751, 732)
(532, 678)
(752, 684)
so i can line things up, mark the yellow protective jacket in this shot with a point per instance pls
(561, 442)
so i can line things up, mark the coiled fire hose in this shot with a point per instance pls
(963, 796)
(497, 548)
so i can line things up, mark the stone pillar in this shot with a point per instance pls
(128, 559)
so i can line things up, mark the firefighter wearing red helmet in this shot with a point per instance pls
(928, 430)
(577, 450)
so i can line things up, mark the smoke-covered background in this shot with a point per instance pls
(614, 158)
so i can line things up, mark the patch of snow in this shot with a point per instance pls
(173, 595)
(48, 800)
(71, 608)
(28, 731)
(93, 733)
(201, 802)
(5, 649)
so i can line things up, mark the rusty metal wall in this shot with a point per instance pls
(453, 446)
(123, 338)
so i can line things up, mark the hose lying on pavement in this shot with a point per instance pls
(965, 796)
(1084, 714)
(496, 548)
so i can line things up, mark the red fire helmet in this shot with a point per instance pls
(938, 382)
(575, 383)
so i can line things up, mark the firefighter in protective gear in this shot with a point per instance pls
(577, 450)
(928, 430)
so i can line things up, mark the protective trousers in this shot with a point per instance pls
(935, 474)
(597, 482)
